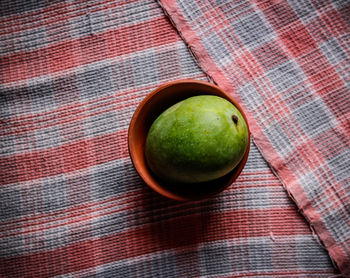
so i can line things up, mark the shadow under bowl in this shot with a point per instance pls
(148, 110)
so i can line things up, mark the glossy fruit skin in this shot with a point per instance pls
(196, 140)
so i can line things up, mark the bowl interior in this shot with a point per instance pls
(148, 110)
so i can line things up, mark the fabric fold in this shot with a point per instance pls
(288, 63)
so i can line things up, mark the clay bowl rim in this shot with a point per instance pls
(146, 174)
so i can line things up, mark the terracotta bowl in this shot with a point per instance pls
(148, 110)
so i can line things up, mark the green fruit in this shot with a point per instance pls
(198, 139)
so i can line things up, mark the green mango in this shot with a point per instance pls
(199, 139)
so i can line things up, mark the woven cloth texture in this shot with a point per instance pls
(288, 62)
(72, 205)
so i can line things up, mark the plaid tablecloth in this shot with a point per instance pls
(71, 204)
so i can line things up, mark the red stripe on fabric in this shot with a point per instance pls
(255, 173)
(70, 54)
(164, 235)
(64, 159)
(335, 23)
(298, 40)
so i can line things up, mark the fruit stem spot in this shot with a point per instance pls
(235, 119)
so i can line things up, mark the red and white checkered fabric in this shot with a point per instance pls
(288, 62)
(71, 204)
